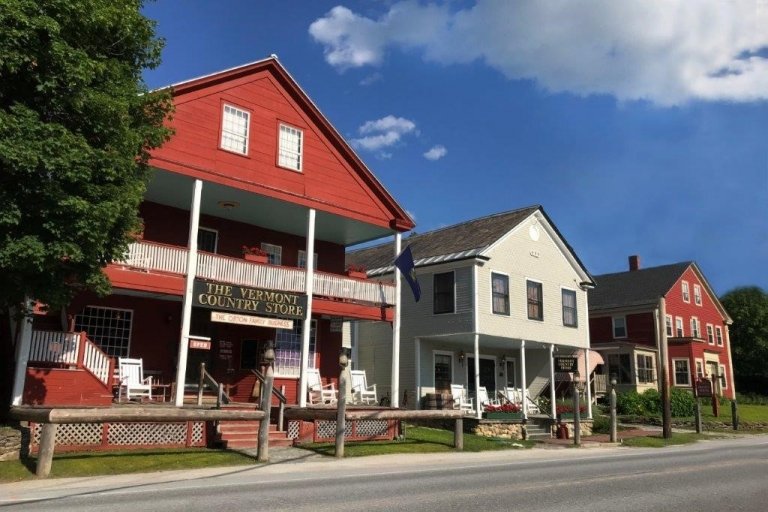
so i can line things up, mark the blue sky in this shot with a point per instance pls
(640, 126)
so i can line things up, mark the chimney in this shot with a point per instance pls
(634, 262)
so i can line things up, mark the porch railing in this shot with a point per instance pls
(279, 394)
(172, 259)
(72, 349)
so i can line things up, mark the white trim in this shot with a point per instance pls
(699, 370)
(613, 324)
(299, 156)
(710, 334)
(452, 355)
(453, 312)
(216, 240)
(274, 250)
(719, 335)
(674, 371)
(724, 381)
(302, 254)
(669, 328)
(94, 336)
(697, 294)
(246, 135)
(679, 323)
(685, 289)
(509, 294)
(575, 307)
(527, 316)
(695, 327)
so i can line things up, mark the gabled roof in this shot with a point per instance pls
(635, 287)
(470, 239)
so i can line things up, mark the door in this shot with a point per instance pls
(487, 375)
(714, 372)
(443, 372)
(510, 373)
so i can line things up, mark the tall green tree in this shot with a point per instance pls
(748, 307)
(76, 126)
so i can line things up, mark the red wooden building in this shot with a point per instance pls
(254, 171)
(632, 314)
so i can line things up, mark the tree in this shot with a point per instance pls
(76, 126)
(748, 307)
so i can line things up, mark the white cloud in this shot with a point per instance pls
(436, 153)
(665, 51)
(372, 79)
(383, 133)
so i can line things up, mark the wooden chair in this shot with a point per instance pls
(460, 399)
(515, 395)
(319, 394)
(362, 392)
(132, 380)
(483, 399)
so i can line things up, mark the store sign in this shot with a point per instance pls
(242, 299)
(566, 364)
(200, 344)
(257, 321)
(704, 388)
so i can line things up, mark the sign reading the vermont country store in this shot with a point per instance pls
(243, 299)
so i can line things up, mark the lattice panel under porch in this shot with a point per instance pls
(293, 429)
(147, 433)
(72, 434)
(327, 429)
(371, 428)
(198, 433)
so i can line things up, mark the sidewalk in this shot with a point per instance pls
(601, 439)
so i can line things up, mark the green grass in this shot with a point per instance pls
(113, 463)
(419, 440)
(660, 442)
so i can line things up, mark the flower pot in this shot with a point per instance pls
(256, 258)
(358, 274)
(503, 415)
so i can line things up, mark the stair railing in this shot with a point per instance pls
(279, 394)
(221, 396)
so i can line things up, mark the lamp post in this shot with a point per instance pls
(344, 356)
(576, 412)
(268, 358)
(613, 408)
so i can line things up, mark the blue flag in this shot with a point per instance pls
(405, 263)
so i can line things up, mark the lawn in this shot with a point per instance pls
(752, 418)
(113, 463)
(420, 440)
(660, 442)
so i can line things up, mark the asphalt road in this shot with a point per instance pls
(720, 475)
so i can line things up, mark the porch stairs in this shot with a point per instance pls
(538, 428)
(245, 434)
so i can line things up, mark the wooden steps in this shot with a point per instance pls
(245, 434)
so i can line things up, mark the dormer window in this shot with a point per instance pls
(686, 292)
(289, 152)
(234, 130)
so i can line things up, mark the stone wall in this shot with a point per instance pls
(585, 425)
(506, 430)
(10, 443)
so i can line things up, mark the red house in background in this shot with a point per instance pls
(632, 313)
(253, 172)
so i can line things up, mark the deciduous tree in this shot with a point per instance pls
(748, 307)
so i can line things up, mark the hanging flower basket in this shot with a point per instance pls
(254, 254)
(357, 271)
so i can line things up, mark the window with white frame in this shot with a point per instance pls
(719, 335)
(535, 295)
(288, 349)
(443, 293)
(619, 327)
(686, 292)
(303, 259)
(723, 379)
(274, 253)
(710, 334)
(682, 372)
(644, 369)
(289, 151)
(621, 366)
(500, 293)
(668, 324)
(679, 332)
(569, 308)
(695, 327)
(207, 239)
(109, 328)
(697, 294)
(443, 370)
(699, 369)
(234, 130)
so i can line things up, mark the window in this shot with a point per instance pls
(668, 323)
(443, 371)
(303, 260)
(723, 380)
(500, 293)
(288, 349)
(699, 369)
(710, 334)
(686, 292)
(289, 150)
(645, 369)
(697, 294)
(679, 332)
(234, 130)
(620, 365)
(569, 308)
(443, 293)
(719, 335)
(207, 239)
(274, 253)
(535, 300)
(682, 372)
(619, 327)
(109, 328)
(695, 327)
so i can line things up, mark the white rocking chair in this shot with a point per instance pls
(132, 380)
(318, 393)
(361, 391)
(460, 399)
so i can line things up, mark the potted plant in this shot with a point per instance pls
(357, 271)
(503, 412)
(564, 411)
(255, 254)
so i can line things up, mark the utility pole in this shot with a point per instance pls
(661, 333)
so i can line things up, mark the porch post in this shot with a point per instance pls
(524, 385)
(417, 360)
(476, 329)
(478, 407)
(186, 307)
(729, 368)
(395, 398)
(309, 288)
(23, 342)
(589, 391)
(552, 394)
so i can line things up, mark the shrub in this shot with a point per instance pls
(629, 402)
(681, 402)
(601, 424)
(651, 400)
(752, 398)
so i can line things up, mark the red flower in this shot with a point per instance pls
(503, 408)
(257, 251)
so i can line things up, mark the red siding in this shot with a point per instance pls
(58, 386)
(640, 329)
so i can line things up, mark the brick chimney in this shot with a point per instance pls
(634, 262)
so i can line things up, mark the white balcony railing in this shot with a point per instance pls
(166, 258)
(72, 349)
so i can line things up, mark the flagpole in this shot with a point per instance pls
(395, 402)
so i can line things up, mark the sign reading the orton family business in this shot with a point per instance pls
(242, 299)
(258, 321)
(566, 364)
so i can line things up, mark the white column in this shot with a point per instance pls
(729, 368)
(395, 401)
(589, 390)
(309, 288)
(417, 361)
(476, 329)
(478, 407)
(552, 395)
(23, 342)
(523, 384)
(186, 308)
